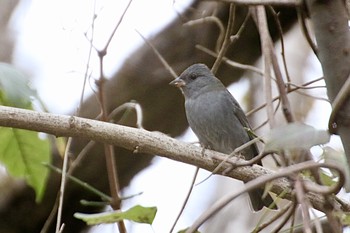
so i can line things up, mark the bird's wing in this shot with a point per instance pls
(239, 112)
(243, 119)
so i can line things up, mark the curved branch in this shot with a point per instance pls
(262, 180)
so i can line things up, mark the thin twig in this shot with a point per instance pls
(278, 97)
(236, 154)
(305, 30)
(286, 218)
(253, 184)
(136, 106)
(87, 75)
(63, 185)
(316, 221)
(230, 62)
(279, 27)
(226, 43)
(83, 184)
(303, 87)
(263, 2)
(337, 104)
(215, 20)
(160, 57)
(261, 22)
(300, 194)
(312, 96)
(120, 20)
(267, 120)
(286, 108)
(280, 213)
(186, 199)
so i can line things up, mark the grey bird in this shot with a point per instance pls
(216, 118)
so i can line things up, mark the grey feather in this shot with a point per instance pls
(216, 118)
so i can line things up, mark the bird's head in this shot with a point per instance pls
(196, 79)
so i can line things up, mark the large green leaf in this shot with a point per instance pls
(137, 213)
(23, 153)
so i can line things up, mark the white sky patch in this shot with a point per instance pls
(53, 49)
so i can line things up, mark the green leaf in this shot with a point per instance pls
(137, 213)
(15, 90)
(326, 179)
(23, 152)
(295, 136)
(344, 217)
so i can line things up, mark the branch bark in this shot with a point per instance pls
(143, 141)
(330, 21)
(264, 2)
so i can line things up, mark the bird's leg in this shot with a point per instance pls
(204, 147)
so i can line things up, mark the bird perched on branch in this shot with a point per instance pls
(216, 118)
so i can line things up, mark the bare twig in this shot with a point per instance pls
(300, 194)
(288, 216)
(279, 27)
(230, 62)
(62, 187)
(251, 185)
(160, 57)
(215, 20)
(270, 56)
(286, 209)
(120, 20)
(261, 22)
(263, 2)
(305, 30)
(303, 87)
(136, 106)
(338, 102)
(278, 97)
(226, 43)
(186, 199)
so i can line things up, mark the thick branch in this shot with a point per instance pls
(139, 140)
(330, 22)
(263, 2)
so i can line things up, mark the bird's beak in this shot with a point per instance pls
(177, 82)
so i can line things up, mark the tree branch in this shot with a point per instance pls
(330, 21)
(143, 141)
(263, 2)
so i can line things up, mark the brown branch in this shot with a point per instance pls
(253, 184)
(270, 61)
(330, 21)
(261, 22)
(226, 43)
(230, 62)
(263, 2)
(216, 21)
(145, 142)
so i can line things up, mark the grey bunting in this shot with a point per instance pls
(216, 118)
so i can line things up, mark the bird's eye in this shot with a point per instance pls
(193, 76)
